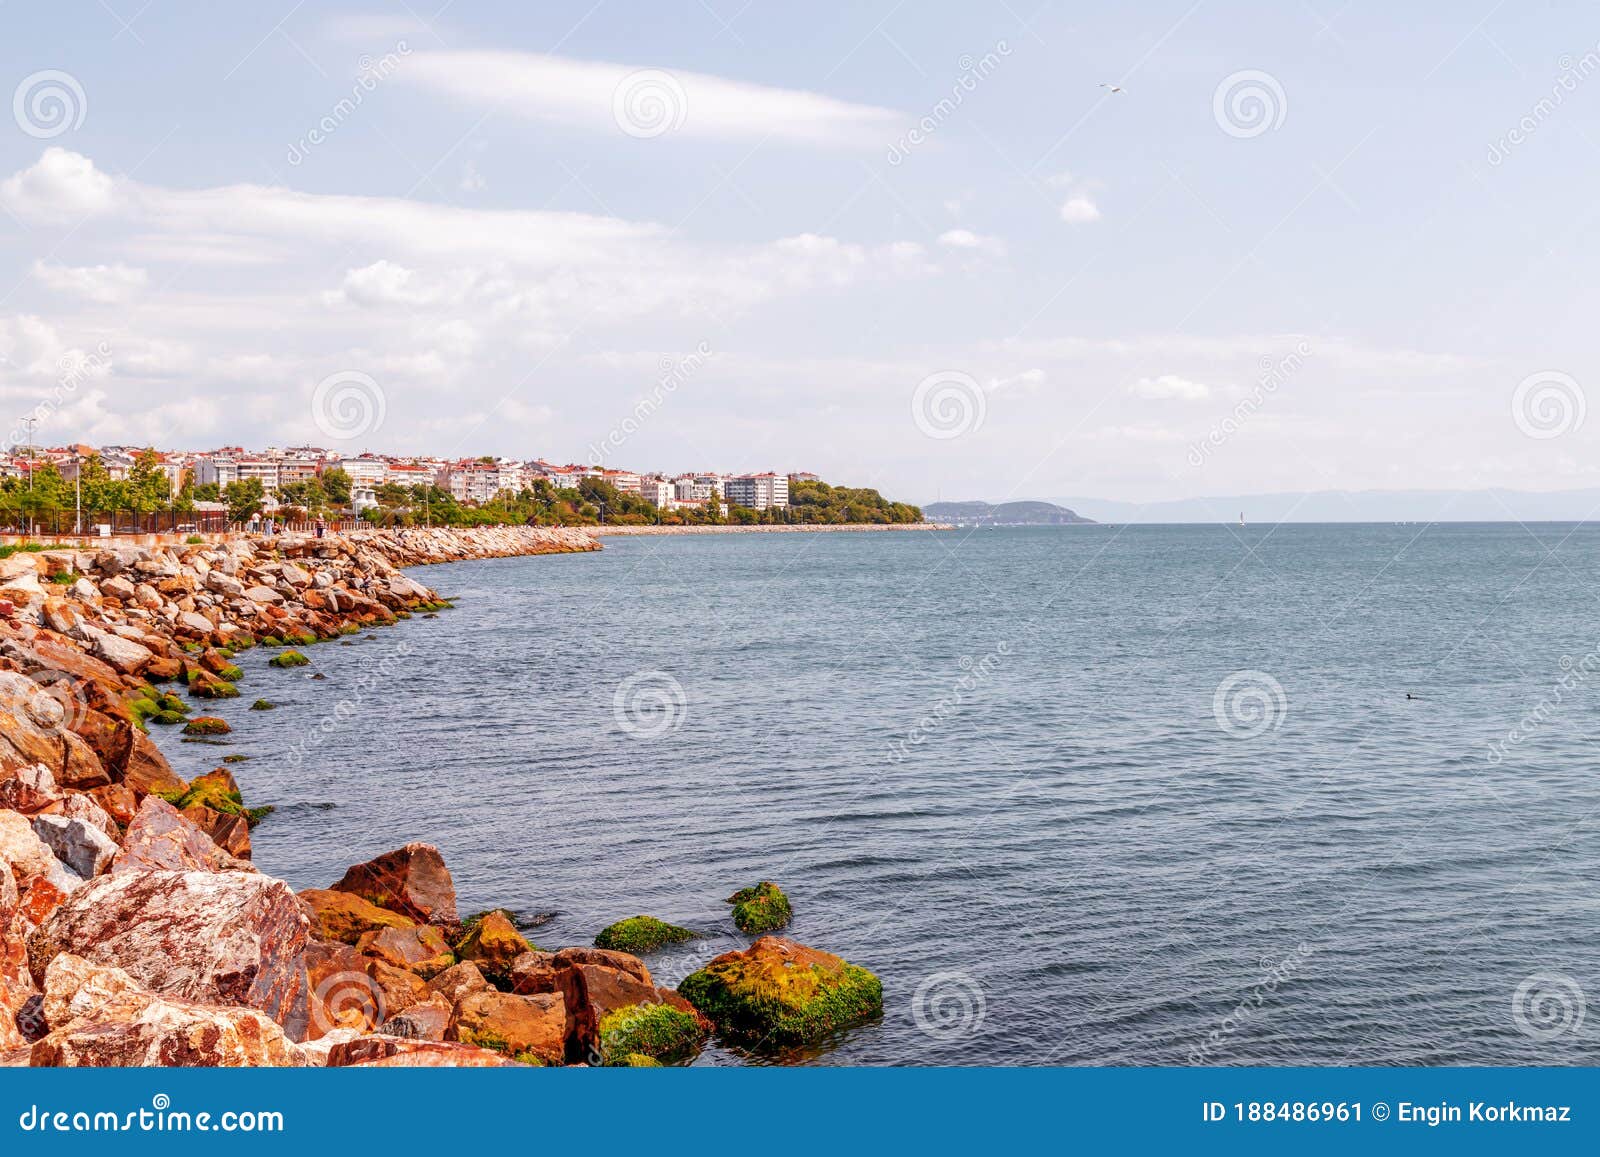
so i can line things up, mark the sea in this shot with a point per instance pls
(1087, 795)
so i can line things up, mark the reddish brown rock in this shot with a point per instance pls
(229, 832)
(420, 949)
(600, 989)
(29, 788)
(398, 988)
(118, 800)
(403, 1052)
(425, 1020)
(412, 881)
(492, 944)
(525, 1028)
(148, 771)
(345, 917)
(161, 838)
(342, 996)
(232, 938)
(458, 981)
(535, 972)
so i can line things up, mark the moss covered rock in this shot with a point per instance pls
(263, 705)
(218, 791)
(779, 992)
(206, 725)
(345, 916)
(657, 1031)
(205, 685)
(168, 718)
(640, 1061)
(639, 934)
(288, 659)
(763, 908)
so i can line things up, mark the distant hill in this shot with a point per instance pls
(1003, 514)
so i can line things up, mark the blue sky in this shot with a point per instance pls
(1373, 269)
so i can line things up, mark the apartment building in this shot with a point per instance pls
(757, 491)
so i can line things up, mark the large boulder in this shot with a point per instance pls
(346, 917)
(760, 908)
(425, 1020)
(778, 992)
(100, 1017)
(159, 838)
(35, 727)
(639, 934)
(30, 788)
(148, 771)
(597, 983)
(233, 938)
(525, 1028)
(412, 881)
(125, 655)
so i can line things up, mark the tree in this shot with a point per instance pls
(336, 485)
(148, 488)
(244, 498)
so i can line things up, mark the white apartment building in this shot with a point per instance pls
(367, 470)
(758, 491)
(219, 468)
(265, 470)
(656, 491)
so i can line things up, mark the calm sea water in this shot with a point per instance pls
(989, 766)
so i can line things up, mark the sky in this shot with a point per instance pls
(921, 247)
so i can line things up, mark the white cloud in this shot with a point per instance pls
(471, 179)
(60, 187)
(1025, 382)
(99, 283)
(586, 94)
(976, 242)
(1170, 386)
(1079, 210)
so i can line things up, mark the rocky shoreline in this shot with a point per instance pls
(134, 929)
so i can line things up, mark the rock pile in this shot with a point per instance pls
(134, 929)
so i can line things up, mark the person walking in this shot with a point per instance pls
(322, 526)
(255, 522)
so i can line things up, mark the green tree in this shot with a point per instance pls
(336, 485)
(244, 498)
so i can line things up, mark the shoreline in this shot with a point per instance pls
(780, 528)
(134, 928)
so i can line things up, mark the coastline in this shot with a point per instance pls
(782, 528)
(134, 928)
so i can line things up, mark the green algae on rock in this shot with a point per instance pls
(288, 659)
(263, 705)
(763, 908)
(206, 725)
(639, 934)
(779, 992)
(657, 1031)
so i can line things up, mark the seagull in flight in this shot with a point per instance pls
(1113, 87)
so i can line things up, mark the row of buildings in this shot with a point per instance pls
(470, 480)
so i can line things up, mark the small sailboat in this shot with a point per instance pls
(1241, 520)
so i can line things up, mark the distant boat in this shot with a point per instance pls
(1241, 520)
